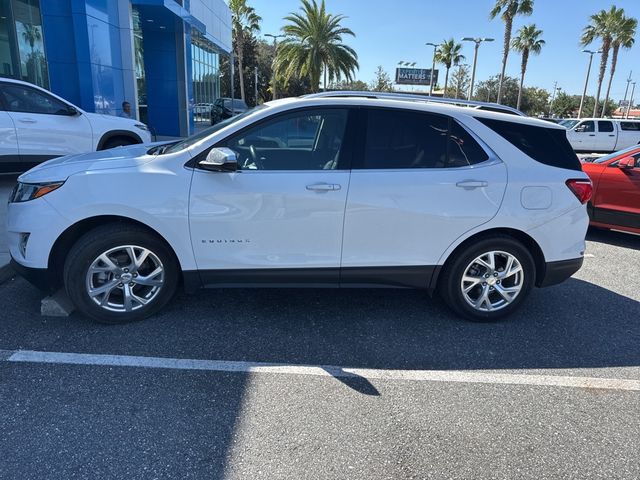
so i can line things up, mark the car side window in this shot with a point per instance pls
(399, 139)
(19, 98)
(605, 126)
(305, 140)
(633, 126)
(586, 127)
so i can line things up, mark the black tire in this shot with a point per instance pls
(118, 142)
(450, 288)
(102, 239)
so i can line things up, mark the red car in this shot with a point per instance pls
(615, 203)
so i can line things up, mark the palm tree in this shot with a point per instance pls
(314, 45)
(623, 37)
(245, 22)
(449, 54)
(602, 27)
(527, 42)
(508, 10)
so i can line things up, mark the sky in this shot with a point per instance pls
(389, 31)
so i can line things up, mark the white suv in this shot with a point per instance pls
(314, 191)
(36, 125)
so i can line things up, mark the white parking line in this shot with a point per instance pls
(27, 356)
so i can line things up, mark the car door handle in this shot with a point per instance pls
(471, 184)
(592, 134)
(27, 120)
(612, 135)
(323, 187)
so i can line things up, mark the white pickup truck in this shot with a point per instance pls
(603, 135)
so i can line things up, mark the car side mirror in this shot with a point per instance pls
(627, 163)
(220, 159)
(72, 111)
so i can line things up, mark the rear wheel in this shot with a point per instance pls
(489, 279)
(120, 273)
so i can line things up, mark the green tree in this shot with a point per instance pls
(508, 10)
(535, 101)
(382, 81)
(245, 23)
(449, 54)
(527, 42)
(623, 37)
(564, 105)
(354, 86)
(314, 45)
(461, 80)
(602, 26)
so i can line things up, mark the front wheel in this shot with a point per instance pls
(120, 273)
(488, 280)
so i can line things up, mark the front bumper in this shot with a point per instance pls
(558, 272)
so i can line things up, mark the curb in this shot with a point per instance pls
(6, 273)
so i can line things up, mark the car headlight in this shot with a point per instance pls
(23, 192)
(142, 126)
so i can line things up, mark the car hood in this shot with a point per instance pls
(62, 168)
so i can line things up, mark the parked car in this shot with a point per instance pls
(603, 135)
(316, 191)
(224, 108)
(36, 125)
(202, 109)
(616, 190)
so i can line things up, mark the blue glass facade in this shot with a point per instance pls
(99, 53)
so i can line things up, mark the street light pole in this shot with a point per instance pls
(586, 81)
(553, 96)
(477, 41)
(633, 90)
(274, 89)
(626, 91)
(433, 65)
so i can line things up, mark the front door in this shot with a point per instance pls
(583, 136)
(421, 182)
(279, 218)
(44, 126)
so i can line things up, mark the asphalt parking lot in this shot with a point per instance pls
(325, 384)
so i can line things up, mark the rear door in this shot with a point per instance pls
(606, 138)
(419, 182)
(617, 196)
(44, 126)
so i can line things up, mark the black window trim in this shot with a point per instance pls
(350, 138)
(358, 158)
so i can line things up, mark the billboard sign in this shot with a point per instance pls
(415, 76)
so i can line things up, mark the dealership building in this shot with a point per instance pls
(161, 56)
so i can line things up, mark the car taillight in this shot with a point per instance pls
(582, 189)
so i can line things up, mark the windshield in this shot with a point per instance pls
(237, 103)
(568, 123)
(192, 140)
(615, 154)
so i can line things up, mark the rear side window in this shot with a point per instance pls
(545, 145)
(633, 126)
(605, 126)
(399, 139)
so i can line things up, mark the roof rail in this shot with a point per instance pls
(493, 107)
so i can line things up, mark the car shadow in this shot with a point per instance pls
(617, 239)
(573, 325)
